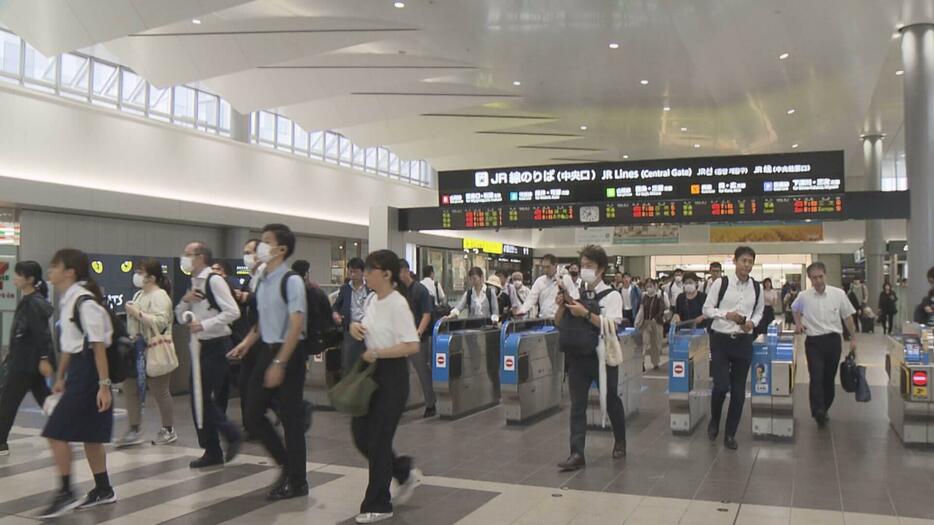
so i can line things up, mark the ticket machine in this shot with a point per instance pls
(688, 377)
(773, 381)
(465, 366)
(910, 365)
(531, 369)
(629, 384)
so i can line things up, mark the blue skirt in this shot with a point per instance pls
(76, 418)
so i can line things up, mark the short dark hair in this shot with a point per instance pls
(475, 271)
(716, 265)
(223, 264)
(403, 264)
(627, 274)
(550, 258)
(428, 271)
(596, 254)
(501, 273)
(679, 270)
(356, 264)
(816, 266)
(744, 250)
(690, 276)
(202, 249)
(301, 267)
(574, 263)
(284, 237)
(254, 241)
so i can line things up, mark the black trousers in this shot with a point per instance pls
(628, 315)
(583, 372)
(243, 381)
(731, 358)
(290, 454)
(823, 355)
(888, 322)
(373, 433)
(214, 372)
(18, 383)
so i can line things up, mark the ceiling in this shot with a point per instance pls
(436, 79)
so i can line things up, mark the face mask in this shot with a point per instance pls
(249, 260)
(186, 264)
(690, 287)
(573, 275)
(677, 278)
(589, 275)
(650, 291)
(138, 280)
(262, 252)
(517, 284)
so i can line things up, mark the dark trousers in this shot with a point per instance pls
(18, 383)
(291, 454)
(583, 372)
(730, 362)
(629, 316)
(374, 432)
(823, 355)
(888, 322)
(214, 372)
(243, 381)
(351, 350)
(421, 363)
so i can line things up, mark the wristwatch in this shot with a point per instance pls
(278, 362)
(104, 382)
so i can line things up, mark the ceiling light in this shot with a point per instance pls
(625, 157)
(783, 56)
(196, 21)
(794, 146)
(684, 129)
(667, 108)
(398, 5)
(791, 111)
(644, 82)
(516, 83)
(900, 72)
(583, 128)
(696, 146)
(614, 45)
(895, 35)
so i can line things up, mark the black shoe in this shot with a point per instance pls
(288, 490)
(207, 460)
(821, 419)
(730, 442)
(63, 503)
(619, 449)
(306, 415)
(713, 429)
(4, 449)
(233, 448)
(430, 412)
(98, 497)
(574, 462)
(278, 487)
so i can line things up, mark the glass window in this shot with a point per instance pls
(75, 73)
(405, 167)
(283, 132)
(317, 144)
(225, 115)
(207, 110)
(393, 163)
(331, 145)
(382, 165)
(38, 67)
(371, 159)
(134, 90)
(346, 151)
(9, 53)
(159, 102)
(359, 157)
(267, 127)
(301, 139)
(105, 81)
(184, 105)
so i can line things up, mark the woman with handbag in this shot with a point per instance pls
(149, 323)
(388, 329)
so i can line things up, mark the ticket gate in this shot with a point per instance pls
(773, 381)
(629, 384)
(689, 379)
(910, 366)
(324, 372)
(531, 370)
(465, 366)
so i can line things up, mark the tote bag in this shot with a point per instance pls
(352, 394)
(161, 358)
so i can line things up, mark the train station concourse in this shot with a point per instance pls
(493, 262)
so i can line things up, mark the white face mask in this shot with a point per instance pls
(517, 284)
(186, 264)
(690, 287)
(262, 252)
(249, 260)
(589, 275)
(677, 278)
(138, 280)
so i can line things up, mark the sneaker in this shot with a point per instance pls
(98, 497)
(63, 503)
(372, 517)
(403, 492)
(4, 449)
(165, 436)
(130, 439)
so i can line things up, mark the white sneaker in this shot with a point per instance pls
(403, 493)
(130, 439)
(372, 517)
(164, 437)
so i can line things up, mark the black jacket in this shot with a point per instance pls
(31, 336)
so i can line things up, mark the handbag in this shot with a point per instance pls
(863, 393)
(849, 376)
(352, 394)
(161, 358)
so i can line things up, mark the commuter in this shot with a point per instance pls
(320, 325)
(541, 299)
(420, 302)
(924, 312)
(211, 302)
(735, 306)
(859, 296)
(674, 288)
(597, 301)
(84, 413)
(572, 280)
(480, 300)
(617, 281)
(246, 301)
(508, 297)
(31, 359)
(435, 289)
(649, 320)
(888, 307)
(787, 301)
(689, 306)
(149, 317)
(522, 291)
(349, 308)
(279, 371)
(770, 301)
(632, 298)
(714, 273)
(818, 312)
(388, 331)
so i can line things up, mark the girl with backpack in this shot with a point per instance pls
(84, 413)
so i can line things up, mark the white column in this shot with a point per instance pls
(874, 246)
(384, 230)
(239, 126)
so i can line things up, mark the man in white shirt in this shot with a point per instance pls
(434, 288)
(632, 298)
(735, 313)
(818, 312)
(713, 274)
(544, 291)
(572, 279)
(674, 288)
(522, 291)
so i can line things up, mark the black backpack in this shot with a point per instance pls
(121, 362)
(725, 283)
(491, 297)
(577, 335)
(320, 330)
(209, 293)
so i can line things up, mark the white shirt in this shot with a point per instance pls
(216, 324)
(480, 305)
(436, 293)
(611, 306)
(95, 321)
(388, 321)
(822, 312)
(627, 297)
(522, 292)
(740, 297)
(573, 287)
(672, 291)
(771, 297)
(543, 295)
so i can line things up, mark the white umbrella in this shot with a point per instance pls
(194, 346)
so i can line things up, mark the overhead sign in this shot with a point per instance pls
(808, 173)
(492, 247)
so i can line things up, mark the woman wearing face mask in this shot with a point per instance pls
(149, 316)
(649, 321)
(31, 358)
(770, 299)
(479, 300)
(689, 306)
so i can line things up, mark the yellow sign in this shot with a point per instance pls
(126, 266)
(767, 233)
(492, 247)
(919, 392)
(97, 266)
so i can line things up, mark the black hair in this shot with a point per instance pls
(254, 241)
(32, 269)
(205, 251)
(475, 271)
(78, 261)
(627, 274)
(716, 265)
(357, 263)
(403, 264)
(574, 263)
(816, 266)
(153, 268)
(387, 260)
(550, 258)
(428, 271)
(769, 279)
(690, 276)
(648, 281)
(596, 254)
(744, 250)
(284, 237)
(301, 267)
(501, 273)
(225, 266)
(678, 270)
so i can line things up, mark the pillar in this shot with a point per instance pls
(874, 246)
(240, 127)
(234, 239)
(918, 83)
(834, 264)
(384, 230)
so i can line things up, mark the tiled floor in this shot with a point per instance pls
(482, 471)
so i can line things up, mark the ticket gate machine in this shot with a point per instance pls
(773, 381)
(629, 383)
(323, 372)
(910, 365)
(689, 379)
(531, 369)
(465, 366)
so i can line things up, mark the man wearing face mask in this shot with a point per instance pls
(632, 298)
(214, 308)
(671, 291)
(572, 279)
(522, 291)
(544, 291)
(649, 321)
(689, 306)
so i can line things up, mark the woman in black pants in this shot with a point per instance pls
(887, 307)
(31, 358)
(388, 329)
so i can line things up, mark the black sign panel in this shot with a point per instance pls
(114, 274)
(732, 178)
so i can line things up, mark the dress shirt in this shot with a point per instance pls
(672, 290)
(543, 295)
(626, 292)
(740, 297)
(822, 312)
(274, 313)
(435, 290)
(479, 306)
(95, 321)
(215, 324)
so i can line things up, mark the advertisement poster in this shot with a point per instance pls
(761, 378)
(599, 236)
(646, 234)
(767, 233)
(7, 290)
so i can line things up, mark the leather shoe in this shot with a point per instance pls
(619, 449)
(713, 429)
(288, 490)
(207, 460)
(730, 442)
(431, 411)
(233, 448)
(574, 462)
(821, 419)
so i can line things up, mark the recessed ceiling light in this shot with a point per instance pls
(398, 5)
(667, 108)
(900, 72)
(794, 146)
(895, 35)
(684, 129)
(614, 45)
(516, 83)
(583, 128)
(696, 146)
(644, 82)
(791, 111)
(783, 56)
(196, 21)
(625, 157)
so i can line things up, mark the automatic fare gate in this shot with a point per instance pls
(465, 366)
(688, 377)
(773, 380)
(910, 365)
(531, 370)
(629, 384)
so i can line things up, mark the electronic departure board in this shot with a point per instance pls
(733, 179)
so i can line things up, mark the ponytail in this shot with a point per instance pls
(78, 261)
(42, 289)
(31, 269)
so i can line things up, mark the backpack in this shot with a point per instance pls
(725, 283)
(209, 293)
(492, 298)
(577, 335)
(439, 309)
(320, 329)
(121, 363)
